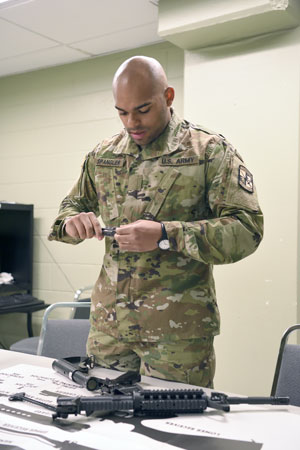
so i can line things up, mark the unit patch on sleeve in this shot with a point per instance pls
(246, 179)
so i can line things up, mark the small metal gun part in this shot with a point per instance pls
(20, 396)
(75, 374)
(109, 231)
(126, 382)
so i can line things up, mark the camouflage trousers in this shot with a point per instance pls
(190, 361)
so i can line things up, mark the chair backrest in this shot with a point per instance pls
(82, 313)
(286, 380)
(63, 338)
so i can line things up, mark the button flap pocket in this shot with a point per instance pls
(160, 195)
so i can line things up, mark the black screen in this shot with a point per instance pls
(16, 246)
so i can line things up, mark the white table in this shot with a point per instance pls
(26, 426)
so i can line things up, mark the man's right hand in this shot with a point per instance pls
(83, 226)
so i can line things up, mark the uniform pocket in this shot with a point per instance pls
(106, 192)
(161, 193)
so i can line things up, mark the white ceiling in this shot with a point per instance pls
(42, 33)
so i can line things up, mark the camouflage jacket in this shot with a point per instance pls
(194, 182)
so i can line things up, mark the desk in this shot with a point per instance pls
(27, 309)
(245, 427)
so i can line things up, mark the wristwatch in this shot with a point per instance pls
(163, 243)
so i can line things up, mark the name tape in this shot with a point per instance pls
(114, 162)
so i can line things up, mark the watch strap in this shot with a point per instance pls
(164, 235)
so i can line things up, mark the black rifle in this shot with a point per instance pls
(157, 402)
(146, 402)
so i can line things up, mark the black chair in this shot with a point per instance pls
(286, 380)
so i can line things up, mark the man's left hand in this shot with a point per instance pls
(139, 236)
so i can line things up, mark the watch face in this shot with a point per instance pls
(164, 244)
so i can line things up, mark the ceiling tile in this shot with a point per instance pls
(71, 30)
(75, 20)
(18, 41)
(44, 58)
(121, 40)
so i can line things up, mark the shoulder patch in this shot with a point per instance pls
(245, 179)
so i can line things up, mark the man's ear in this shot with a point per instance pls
(169, 95)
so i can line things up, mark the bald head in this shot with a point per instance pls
(141, 70)
(143, 98)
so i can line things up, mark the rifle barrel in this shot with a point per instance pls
(258, 400)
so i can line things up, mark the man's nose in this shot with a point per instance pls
(133, 121)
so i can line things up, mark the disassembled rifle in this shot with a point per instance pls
(123, 394)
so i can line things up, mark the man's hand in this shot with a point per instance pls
(83, 226)
(139, 236)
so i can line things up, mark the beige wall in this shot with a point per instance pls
(249, 92)
(49, 120)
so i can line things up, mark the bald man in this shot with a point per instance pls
(181, 200)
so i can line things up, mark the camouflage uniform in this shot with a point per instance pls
(194, 182)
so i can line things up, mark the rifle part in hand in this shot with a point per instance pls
(109, 231)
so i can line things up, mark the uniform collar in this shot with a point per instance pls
(166, 143)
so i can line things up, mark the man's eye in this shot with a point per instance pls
(144, 111)
(122, 113)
